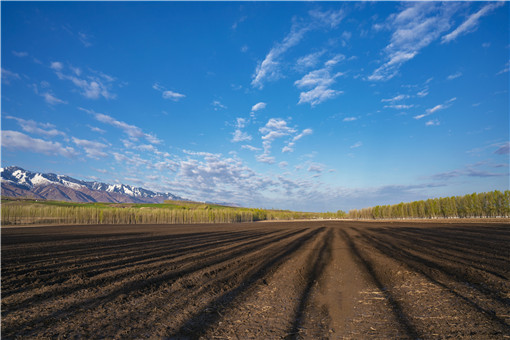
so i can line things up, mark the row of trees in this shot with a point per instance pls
(486, 204)
(44, 214)
(20, 212)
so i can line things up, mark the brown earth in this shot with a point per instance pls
(311, 280)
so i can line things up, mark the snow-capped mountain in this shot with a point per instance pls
(19, 182)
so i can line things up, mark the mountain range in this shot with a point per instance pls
(18, 182)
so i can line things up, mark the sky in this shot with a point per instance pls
(310, 106)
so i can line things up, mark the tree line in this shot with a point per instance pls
(485, 204)
(31, 212)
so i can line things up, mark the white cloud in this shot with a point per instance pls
(317, 77)
(471, 23)
(57, 65)
(317, 95)
(290, 145)
(504, 70)
(309, 60)
(319, 80)
(265, 158)
(218, 105)
(258, 106)
(349, 119)
(346, 36)
(356, 145)
(436, 108)
(399, 106)
(331, 18)
(20, 54)
(93, 87)
(18, 141)
(84, 39)
(269, 68)
(423, 93)
(172, 95)
(283, 165)
(250, 147)
(503, 149)
(92, 149)
(167, 94)
(305, 132)
(315, 167)
(32, 126)
(8, 75)
(396, 98)
(51, 99)
(96, 129)
(414, 28)
(134, 132)
(433, 122)
(288, 148)
(239, 135)
(335, 60)
(274, 128)
(454, 76)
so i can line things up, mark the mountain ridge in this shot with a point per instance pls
(18, 182)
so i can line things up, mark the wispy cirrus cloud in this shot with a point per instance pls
(20, 54)
(51, 99)
(468, 171)
(433, 122)
(356, 145)
(319, 81)
(269, 69)
(503, 149)
(436, 108)
(92, 149)
(397, 98)
(454, 76)
(92, 86)
(290, 145)
(7, 76)
(471, 23)
(31, 126)
(217, 105)
(134, 132)
(309, 60)
(14, 140)
(399, 106)
(504, 69)
(415, 27)
(167, 94)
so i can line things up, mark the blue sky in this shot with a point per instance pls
(304, 106)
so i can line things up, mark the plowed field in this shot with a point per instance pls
(337, 280)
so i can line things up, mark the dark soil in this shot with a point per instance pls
(293, 280)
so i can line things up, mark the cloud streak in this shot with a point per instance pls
(269, 69)
(32, 126)
(414, 28)
(13, 140)
(134, 132)
(471, 23)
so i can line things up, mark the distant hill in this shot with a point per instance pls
(18, 182)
